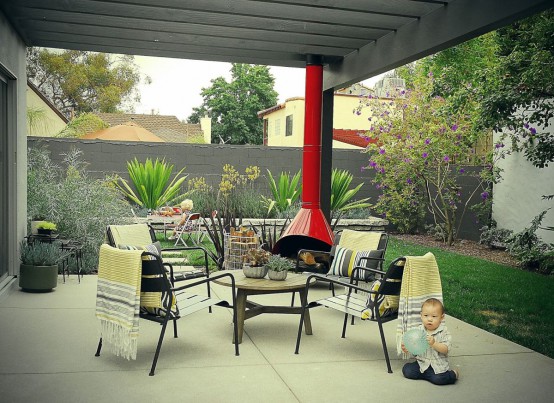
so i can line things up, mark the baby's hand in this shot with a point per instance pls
(430, 340)
(403, 347)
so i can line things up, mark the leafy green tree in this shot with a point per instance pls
(78, 81)
(81, 125)
(233, 105)
(520, 97)
(420, 147)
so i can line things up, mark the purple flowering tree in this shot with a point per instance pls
(417, 159)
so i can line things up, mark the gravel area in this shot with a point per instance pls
(463, 247)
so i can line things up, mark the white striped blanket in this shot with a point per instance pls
(118, 299)
(420, 281)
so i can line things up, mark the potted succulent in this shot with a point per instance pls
(254, 262)
(46, 227)
(39, 266)
(278, 267)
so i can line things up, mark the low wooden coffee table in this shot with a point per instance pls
(256, 286)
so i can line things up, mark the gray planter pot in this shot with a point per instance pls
(277, 275)
(38, 278)
(254, 271)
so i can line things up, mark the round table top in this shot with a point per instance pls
(294, 281)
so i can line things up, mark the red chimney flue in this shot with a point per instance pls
(309, 229)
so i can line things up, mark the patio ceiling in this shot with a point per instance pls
(357, 38)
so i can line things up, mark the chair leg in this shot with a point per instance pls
(98, 348)
(385, 347)
(175, 328)
(344, 325)
(292, 300)
(300, 326)
(332, 288)
(159, 347)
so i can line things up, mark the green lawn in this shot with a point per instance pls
(508, 302)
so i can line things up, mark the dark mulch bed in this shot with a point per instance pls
(463, 247)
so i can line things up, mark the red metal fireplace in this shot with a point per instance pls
(309, 229)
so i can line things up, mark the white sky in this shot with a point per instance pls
(176, 83)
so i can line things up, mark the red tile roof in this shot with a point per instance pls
(352, 136)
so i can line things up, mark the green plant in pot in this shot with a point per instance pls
(46, 227)
(39, 266)
(254, 262)
(278, 267)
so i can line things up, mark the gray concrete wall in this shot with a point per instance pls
(207, 160)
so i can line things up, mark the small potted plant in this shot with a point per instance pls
(254, 262)
(39, 266)
(46, 227)
(278, 267)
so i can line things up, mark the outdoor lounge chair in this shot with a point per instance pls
(380, 305)
(160, 300)
(140, 235)
(189, 231)
(350, 249)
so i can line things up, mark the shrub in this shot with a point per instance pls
(81, 206)
(151, 182)
(491, 235)
(284, 192)
(39, 253)
(530, 250)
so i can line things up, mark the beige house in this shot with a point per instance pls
(284, 123)
(43, 118)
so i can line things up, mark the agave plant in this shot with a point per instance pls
(341, 194)
(284, 193)
(151, 181)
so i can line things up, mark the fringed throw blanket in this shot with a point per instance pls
(118, 299)
(420, 281)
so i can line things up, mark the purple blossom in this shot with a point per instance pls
(399, 137)
(533, 130)
(427, 141)
(526, 125)
(358, 112)
(454, 128)
(381, 151)
(484, 195)
(409, 181)
(372, 164)
(446, 158)
(462, 170)
(430, 74)
(499, 145)
(424, 155)
(459, 137)
(410, 146)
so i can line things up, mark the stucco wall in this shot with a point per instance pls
(48, 125)
(517, 198)
(343, 118)
(13, 218)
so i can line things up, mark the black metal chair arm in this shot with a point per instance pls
(207, 280)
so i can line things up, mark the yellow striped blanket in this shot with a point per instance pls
(420, 281)
(359, 240)
(118, 299)
(134, 234)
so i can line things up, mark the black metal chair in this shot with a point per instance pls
(324, 260)
(176, 302)
(366, 307)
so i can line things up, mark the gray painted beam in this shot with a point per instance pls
(459, 21)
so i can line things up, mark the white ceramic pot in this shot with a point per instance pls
(254, 271)
(277, 275)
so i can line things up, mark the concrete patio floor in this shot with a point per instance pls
(47, 345)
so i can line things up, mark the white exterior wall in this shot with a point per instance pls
(517, 198)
